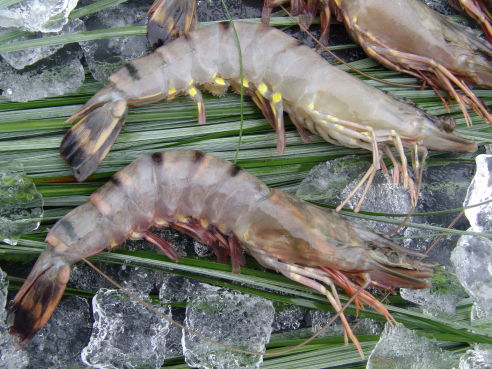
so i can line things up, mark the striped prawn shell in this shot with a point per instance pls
(278, 72)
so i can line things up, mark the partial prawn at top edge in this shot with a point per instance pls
(410, 37)
(326, 102)
(451, 59)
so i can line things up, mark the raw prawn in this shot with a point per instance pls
(223, 206)
(408, 36)
(326, 101)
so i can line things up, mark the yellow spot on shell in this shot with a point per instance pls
(245, 82)
(246, 236)
(222, 228)
(220, 81)
(160, 222)
(204, 223)
(182, 218)
(199, 107)
(311, 106)
(262, 88)
(354, 20)
(190, 82)
(136, 235)
(277, 97)
(192, 91)
(339, 127)
(171, 91)
(113, 243)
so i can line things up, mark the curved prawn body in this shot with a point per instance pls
(326, 101)
(225, 207)
(480, 11)
(410, 37)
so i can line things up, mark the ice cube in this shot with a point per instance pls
(106, 56)
(21, 205)
(472, 259)
(231, 318)
(22, 58)
(402, 348)
(59, 343)
(37, 15)
(57, 75)
(480, 190)
(10, 357)
(125, 333)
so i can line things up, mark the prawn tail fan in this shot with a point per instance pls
(39, 296)
(86, 144)
(169, 19)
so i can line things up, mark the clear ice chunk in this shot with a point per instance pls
(231, 318)
(440, 253)
(402, 348)
(332, 181)
(478, 358)
(106, 56)
(444, 187)
(383, 197)
(481, 319)
(326, 181)
(37, 15)
(21, 205)
(125, 334)
(480, 190)
(175, 288)
(472, 259)
(59, 343)
(4, 284)
(440, 300)
(10, 357)
(22, 58)
(60, 74)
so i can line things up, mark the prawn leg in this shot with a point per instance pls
(162, 245)
(271, 105)
(197, 96)
(346, 131)
(309, 277)
(477, 9)
(224, 246)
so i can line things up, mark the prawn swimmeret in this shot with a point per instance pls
(223, 206)
(280, 74)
